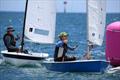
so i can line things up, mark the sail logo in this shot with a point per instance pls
(41, 32)
(30, 29)
(93, 34)
(100, 37)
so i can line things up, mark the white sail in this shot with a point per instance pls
(96, 21)
(40, 21)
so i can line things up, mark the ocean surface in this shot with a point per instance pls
(75, 25)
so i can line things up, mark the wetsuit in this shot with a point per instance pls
(60, 52)
(10, 43)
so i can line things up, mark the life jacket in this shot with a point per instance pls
(12, 40)
(60, 51)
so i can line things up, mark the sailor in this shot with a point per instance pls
(62, 48)
(10, 40)
(88, 55)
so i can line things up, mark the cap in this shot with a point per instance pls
(10, 28)
(63, 34)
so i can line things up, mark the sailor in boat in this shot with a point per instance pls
(10, 40)
(88, 55)
(62, 48)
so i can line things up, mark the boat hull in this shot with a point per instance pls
(77, 66)
(21, 59)
(21, 62)
(115, 62)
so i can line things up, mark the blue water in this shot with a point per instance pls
(75, 25)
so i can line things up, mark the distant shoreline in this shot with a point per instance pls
(57, 12)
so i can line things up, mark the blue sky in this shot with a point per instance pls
(113, 6)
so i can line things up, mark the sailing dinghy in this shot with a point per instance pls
(96, 26)
(39, 27)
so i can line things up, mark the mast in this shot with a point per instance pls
(88, 43)
(65, 5)
(23, 35)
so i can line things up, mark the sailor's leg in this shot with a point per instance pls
(13, 50)
(58, 59)
(67, 58)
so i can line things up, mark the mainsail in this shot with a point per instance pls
(96, 10)
(40, 21)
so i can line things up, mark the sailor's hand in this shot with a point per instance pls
(18, 37)
(65, 41)
(18, 50)
(75, 47)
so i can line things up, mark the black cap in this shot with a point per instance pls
(10, 29)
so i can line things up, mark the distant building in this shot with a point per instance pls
(65, 6)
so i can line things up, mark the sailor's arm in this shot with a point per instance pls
(72, 48)
(17, 38)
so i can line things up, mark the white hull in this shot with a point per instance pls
(21, 62)
(21, 59)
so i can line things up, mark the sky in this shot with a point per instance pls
(113, 6)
